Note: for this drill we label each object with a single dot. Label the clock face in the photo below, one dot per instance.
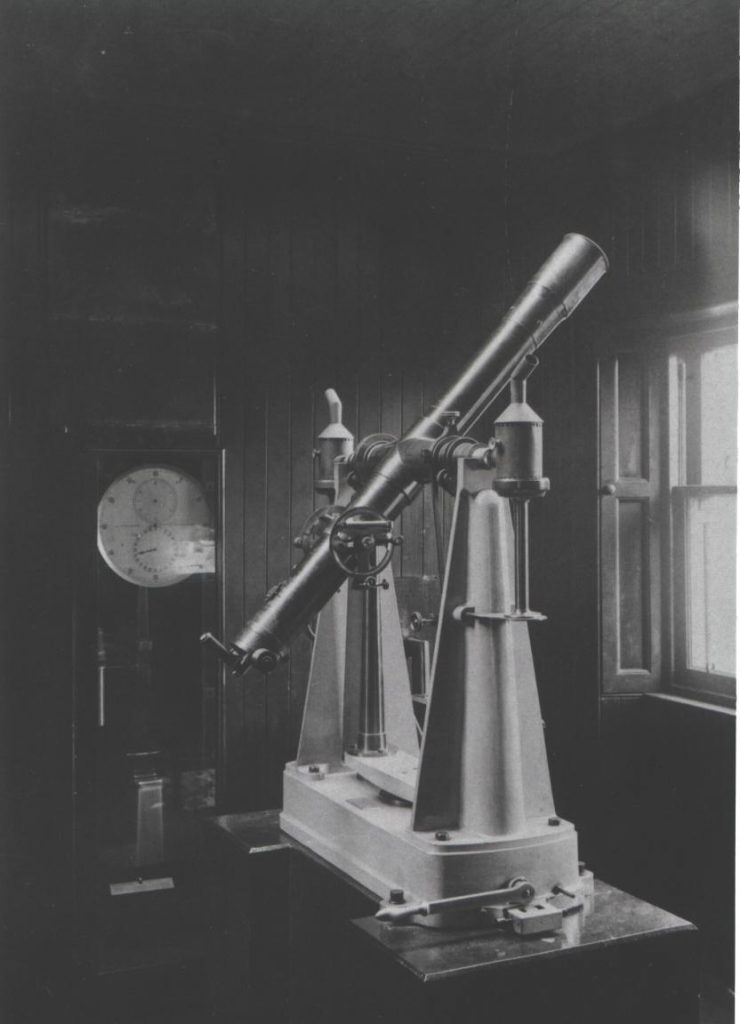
(155, 527)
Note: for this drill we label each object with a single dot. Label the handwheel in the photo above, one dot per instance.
(356, 532)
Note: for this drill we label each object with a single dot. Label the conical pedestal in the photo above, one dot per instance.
(484, 766)
(482, 813)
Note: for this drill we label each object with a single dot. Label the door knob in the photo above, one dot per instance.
(607, 490)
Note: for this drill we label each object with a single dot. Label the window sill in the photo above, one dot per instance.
(692, 702)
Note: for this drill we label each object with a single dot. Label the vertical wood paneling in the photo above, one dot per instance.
(28, 413)
(365, 279)
(311, 302)
(368, 403)
(346, 268)
(651, 213)
(279, 338)
(309, 296)
(683, 229)
(246, 765)
(664, 199)
(278, 542)
(246, 774)
(301, 503)
(366, 344)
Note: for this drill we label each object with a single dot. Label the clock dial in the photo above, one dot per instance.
(155, 527)
(155, 500)
(156, 550)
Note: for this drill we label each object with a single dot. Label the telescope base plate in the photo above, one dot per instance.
(343, 818)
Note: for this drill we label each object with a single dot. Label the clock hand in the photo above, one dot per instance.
(147, 551)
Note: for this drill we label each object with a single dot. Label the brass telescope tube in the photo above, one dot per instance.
(554, 292)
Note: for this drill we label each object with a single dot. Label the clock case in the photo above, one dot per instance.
(147, 700)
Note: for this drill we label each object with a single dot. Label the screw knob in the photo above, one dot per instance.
(264, 659)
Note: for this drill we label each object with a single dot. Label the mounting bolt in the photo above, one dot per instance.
(563, 892)
(264, 659)
(442, 837)
(397, 896)
(553, 821)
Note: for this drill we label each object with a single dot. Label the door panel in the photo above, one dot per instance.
(629, 543)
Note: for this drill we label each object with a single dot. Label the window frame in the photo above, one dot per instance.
(681, 480)
(686, 681)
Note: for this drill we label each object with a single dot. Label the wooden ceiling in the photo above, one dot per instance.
(536, 75)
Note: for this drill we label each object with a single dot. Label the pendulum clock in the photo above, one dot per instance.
(152, 703)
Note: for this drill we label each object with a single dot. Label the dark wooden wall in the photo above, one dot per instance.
(661, 198)
(158, 265)
(106, 343)
(178, 285)
(359, 272)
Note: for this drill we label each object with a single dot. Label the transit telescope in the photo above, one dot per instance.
(390, 474)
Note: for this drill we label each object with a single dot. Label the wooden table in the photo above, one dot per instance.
(295, 941)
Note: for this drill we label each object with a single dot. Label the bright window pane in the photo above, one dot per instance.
(710, 583)
(676, 421)
(719, 416)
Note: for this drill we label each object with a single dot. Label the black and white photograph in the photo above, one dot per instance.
(368, 498)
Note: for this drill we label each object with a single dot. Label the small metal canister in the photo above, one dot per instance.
(518, 432)
(333, 441)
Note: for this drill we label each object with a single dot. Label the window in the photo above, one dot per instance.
(702, 478)
(667, 418)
